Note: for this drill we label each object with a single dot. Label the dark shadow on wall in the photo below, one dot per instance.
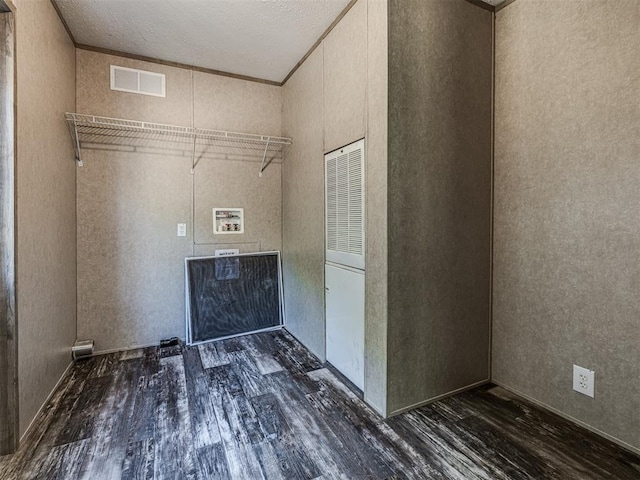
(440, 81)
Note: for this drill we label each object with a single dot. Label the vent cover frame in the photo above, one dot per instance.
(139, 74)
(282, 313)
(345, 238)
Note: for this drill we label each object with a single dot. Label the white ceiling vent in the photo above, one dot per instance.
(137, 81)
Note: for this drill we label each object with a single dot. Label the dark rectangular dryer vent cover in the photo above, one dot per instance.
(229, 296)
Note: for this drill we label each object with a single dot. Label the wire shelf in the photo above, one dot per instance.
(93, 130)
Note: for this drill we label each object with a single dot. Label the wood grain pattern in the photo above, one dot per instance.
(228, 412)
(8, 325)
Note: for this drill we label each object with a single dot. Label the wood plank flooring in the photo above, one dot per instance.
(261, 407)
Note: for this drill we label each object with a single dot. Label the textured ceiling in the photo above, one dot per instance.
(258, 38)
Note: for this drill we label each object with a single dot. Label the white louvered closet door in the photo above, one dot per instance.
(344, 194)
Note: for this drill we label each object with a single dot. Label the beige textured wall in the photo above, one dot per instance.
(303, 204)
(567, 227)
(439, 198)
(376, 206)
(326, 103)
(46, 190)
(345, 74)
(130, 203)
(226, 183)
(96, 98)
(223, 103)
(130, 261)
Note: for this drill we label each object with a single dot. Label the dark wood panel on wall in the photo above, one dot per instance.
(8, 330)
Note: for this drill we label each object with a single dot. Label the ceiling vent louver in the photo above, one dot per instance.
(137, 81)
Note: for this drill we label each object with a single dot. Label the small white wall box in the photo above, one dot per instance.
(228, 220)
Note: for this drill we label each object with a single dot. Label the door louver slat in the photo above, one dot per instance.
(344, 192)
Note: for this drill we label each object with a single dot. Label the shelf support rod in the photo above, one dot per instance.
(77, 142)
(193, 154)
(264, 156)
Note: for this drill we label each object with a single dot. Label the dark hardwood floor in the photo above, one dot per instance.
(262, 407)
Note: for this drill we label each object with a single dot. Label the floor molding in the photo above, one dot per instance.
(439, 397)
(560, 413)
(46, 401)
(320, 359)
(126, 349)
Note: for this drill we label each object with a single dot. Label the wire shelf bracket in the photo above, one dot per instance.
(73, 130)
(92, 129)
(264, 157)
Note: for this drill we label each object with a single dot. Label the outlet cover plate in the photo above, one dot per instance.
(584, 381)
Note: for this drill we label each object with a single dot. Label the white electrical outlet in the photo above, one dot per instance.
(584, 381)
(182, 229)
